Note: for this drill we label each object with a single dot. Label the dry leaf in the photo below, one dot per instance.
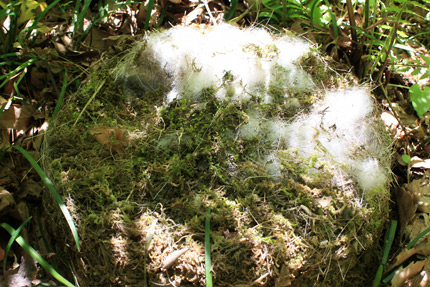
(22, 276)
(407, 206)
(6, 200)
(114, 138)
(171, 259)
(4, 139)
(190, 17)
(420, 188)
(38, 79)
(392, 125)
(424, 280)
(62, 50)
(417, 162)
(29, 188)
(17, 117)
(418, 225)
(407, 273)
(99, 39)
(402, 257)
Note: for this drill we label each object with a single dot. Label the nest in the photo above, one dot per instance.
(139, 172)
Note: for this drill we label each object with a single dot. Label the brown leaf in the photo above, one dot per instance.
(114, 138)
(403, 256)
(6, 200)
(17, 117)
(417, 162)
(420, 188)
(407, 273)
(30, 188)
(392, 125)
(61, 49)
(407, 206)
(4, 139)
(99, 39)
(37, 79)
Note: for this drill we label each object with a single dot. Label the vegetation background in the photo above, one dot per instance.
(48, 50)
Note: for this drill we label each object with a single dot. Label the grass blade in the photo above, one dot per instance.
(61, 97)
(333, 19)
(232, 10)
(409, 246)
(12, 239)
(378, 276)
(148, 14)
(208, 264)
(388, 241)
(54, 193)
(89, 101)
(313, 15)
(419, 236)
(33, 253)
(16, 71)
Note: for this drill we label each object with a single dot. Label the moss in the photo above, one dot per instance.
(144, 191)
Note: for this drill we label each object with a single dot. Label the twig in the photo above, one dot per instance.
(209, 12)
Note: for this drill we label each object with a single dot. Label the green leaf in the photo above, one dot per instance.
(420, 98)
(426, 59)
(378, 276)
(268, 15)
(426, 75)
(317, 14)
(416, 72)
(406, 158)
(148, 13)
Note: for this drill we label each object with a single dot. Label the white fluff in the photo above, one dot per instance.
(370, 174)
(339, 129)
(238, 64)
(199, 59)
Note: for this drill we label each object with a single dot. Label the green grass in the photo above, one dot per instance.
(208, 264)
(54, 193)
(33, 253)
(388, 242)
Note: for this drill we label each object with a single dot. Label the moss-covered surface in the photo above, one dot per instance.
(139, 176)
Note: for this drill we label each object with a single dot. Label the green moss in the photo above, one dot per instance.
(179, 158)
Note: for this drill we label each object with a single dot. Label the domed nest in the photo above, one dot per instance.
(288, 154)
